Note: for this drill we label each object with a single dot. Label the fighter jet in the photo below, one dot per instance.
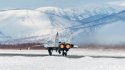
(60, 46)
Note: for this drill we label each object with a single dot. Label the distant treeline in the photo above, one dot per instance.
(26, 46)
(103, 46)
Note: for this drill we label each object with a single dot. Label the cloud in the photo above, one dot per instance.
(117, 3)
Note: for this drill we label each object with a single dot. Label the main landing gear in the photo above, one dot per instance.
(50, 50)
(62, 49)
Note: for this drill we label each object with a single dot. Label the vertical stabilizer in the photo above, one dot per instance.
(56, 39)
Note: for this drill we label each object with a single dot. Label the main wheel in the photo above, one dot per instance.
(64, 53)
(59, 51)
(50, 51)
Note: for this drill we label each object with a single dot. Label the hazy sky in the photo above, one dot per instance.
(8, 4)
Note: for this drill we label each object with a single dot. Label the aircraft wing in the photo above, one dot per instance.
(49, 45)
(75, 46)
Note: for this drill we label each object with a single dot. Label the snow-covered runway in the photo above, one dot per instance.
(73, 53)
(60, 63)
(57, 62)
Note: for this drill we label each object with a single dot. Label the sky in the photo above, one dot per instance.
(11, 4)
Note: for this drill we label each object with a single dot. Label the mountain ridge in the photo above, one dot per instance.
(22, 23)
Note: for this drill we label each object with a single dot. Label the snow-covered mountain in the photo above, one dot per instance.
(39, 25)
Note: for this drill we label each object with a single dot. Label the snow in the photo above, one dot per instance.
(16, 24)
(58, 62)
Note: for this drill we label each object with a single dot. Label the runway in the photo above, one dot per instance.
(38, 55)
(57, 55)
(72, 54)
